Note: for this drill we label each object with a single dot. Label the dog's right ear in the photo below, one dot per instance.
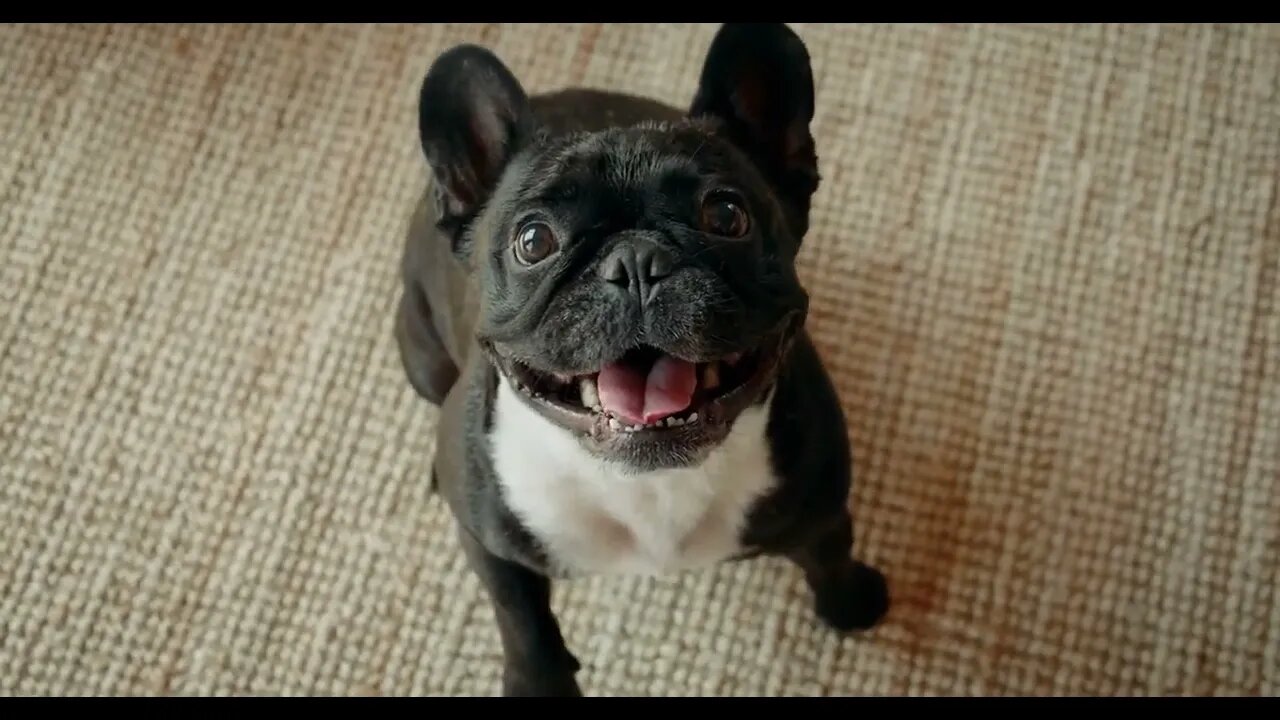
(473, 116)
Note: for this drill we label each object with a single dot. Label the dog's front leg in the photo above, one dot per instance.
(537, 662)
(848, 595)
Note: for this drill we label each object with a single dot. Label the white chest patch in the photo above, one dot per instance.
(597, 517)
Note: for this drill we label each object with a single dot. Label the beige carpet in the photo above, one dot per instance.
(1045, 271)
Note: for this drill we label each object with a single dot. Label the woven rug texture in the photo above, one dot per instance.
(1044, 270)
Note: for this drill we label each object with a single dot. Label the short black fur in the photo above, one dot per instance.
(619, 187)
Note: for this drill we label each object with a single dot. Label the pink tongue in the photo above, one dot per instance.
(630, 394)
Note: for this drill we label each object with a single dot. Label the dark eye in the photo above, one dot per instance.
(535, 242)
(724, 215)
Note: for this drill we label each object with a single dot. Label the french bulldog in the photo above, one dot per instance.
(600, 294)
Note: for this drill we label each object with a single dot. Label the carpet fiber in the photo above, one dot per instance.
(1044, 273)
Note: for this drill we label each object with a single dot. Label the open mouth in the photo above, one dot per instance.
(647, 391)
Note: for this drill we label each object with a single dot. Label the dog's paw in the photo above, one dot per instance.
(540, 684)
(857, 600)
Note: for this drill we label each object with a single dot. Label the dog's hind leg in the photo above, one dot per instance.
(430, 370)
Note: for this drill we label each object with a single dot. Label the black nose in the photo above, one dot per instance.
(636, 265)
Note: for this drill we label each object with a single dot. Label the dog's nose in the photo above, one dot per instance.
(636, 265)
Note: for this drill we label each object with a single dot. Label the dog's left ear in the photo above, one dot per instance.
(757, 80)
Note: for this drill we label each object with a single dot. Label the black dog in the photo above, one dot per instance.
(600, 293)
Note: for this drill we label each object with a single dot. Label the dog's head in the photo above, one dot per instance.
(637, 283)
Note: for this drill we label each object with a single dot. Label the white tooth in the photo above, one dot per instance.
(590, 395)
(675, 421)
(614, 424)
(711, 376)
(693, 418)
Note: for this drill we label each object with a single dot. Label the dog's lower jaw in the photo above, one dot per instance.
(681, 440)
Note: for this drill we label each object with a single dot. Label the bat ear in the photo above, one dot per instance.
(758, 83)
(473, 116)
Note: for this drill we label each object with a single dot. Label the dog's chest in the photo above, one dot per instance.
(595, 517)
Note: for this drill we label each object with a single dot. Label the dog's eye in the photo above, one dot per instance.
(724, 216)
(535, 242)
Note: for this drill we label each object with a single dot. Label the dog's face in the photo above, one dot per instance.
(638, 283)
